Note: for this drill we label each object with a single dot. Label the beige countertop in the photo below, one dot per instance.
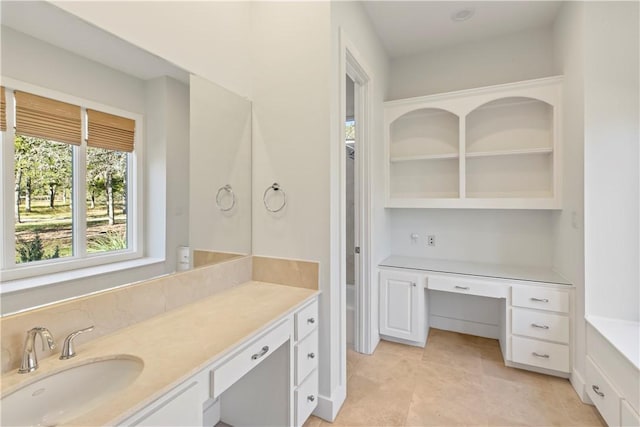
(176, 345)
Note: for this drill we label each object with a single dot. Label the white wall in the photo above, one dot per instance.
(208, 38)
(220, 154)
(290, 65)
(167, 158)
(520, 56)
(493, 236)
(32, 61)
(611, 112)
(568, 224)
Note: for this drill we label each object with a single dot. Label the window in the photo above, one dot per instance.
(74, 184)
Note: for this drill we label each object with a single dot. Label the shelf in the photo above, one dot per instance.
(423, 157)
(543, 150)
(415, 201)
(489, 148)
(509, 195)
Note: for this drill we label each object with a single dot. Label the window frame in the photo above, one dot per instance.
(80, 258)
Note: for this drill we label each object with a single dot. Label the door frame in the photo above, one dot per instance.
(352, 64)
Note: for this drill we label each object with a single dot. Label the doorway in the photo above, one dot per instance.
(356, 205)
(352, 219)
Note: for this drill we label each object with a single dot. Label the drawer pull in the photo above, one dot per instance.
(596, 389)
(413, 284)
(264, 351)
(535, 325)
(311, 398)
(464, 288)
(311, 320)
(539, 299)
(544, 356)
(311, 355)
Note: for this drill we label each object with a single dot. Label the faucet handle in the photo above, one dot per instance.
(67, 349)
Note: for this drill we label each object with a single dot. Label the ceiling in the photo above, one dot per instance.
(46, 22)
(411, 27)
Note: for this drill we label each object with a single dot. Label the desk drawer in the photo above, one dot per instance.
(602, 393)
(306, 320)
(306, 398)
(536, 324)
(306, 356)
(539, 353)
(233, 369)
(469, 287)
(540, 298)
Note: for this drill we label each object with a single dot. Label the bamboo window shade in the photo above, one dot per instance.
(110, 131)
(3, 110)
(47, 118)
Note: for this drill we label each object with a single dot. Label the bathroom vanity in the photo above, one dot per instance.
(534, 319)
(246, 354)
(253, 381)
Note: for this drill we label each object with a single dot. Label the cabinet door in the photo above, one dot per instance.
(184, 408)
(401, 305)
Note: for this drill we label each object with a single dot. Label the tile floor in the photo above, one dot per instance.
(455, 380)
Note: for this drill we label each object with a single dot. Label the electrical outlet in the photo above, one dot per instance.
(431, 240)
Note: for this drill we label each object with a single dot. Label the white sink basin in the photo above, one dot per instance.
(59, 397)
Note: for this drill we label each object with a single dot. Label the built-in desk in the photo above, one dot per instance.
(528, 309)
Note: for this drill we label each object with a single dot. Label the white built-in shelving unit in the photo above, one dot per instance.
(493, 147)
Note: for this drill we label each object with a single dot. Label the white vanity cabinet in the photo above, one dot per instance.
(271, 379)
(496, 147)
(306, 363)
(402, 306)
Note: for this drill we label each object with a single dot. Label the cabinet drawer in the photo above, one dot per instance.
(603, 394)
(628, 417)
(306, 320)
(306, 356)
(624, 376)
(470, 287)
(535, 324)
(306, 398)
(540, 298)
(542, 354)
(233, 369)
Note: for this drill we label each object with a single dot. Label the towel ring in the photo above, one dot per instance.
(274, 187)
(222, 191)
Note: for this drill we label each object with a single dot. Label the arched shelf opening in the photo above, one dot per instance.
(509, 148)
(510, 124)
(424, 154)
(424, 133)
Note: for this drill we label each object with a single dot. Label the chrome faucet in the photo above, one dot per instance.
(29, 359)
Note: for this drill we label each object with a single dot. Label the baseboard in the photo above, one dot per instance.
(465, 327)
(328, 407)
(537, 369)
(374, 344)
(578, 383)
(402, 341)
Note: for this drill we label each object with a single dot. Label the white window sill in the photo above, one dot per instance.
(81, 273)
